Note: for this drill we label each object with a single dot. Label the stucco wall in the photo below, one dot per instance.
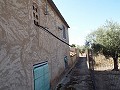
(22, 44)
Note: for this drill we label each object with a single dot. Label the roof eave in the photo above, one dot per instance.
(58, 12)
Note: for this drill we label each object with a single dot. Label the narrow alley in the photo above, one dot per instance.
(78, 78)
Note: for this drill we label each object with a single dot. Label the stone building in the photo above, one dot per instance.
(33, 41)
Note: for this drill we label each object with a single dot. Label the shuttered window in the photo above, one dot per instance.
(41, 76)
(64, 32)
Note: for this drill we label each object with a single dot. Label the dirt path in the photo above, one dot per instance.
(79, 77)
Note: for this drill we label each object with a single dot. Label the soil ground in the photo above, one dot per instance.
(78, 78)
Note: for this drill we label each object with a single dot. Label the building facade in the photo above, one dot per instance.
(33, 34)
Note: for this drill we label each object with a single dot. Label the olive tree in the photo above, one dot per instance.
(106, 40)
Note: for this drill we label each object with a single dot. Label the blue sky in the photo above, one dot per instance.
(84, 16)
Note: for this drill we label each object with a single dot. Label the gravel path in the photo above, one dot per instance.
(79, 77)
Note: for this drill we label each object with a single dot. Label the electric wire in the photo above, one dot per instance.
(51, 34)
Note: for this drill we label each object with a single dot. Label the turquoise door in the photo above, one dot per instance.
(66, 61)
(41, 76)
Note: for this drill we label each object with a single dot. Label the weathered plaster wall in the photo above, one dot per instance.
(54, 49)
(14, 38)
(22, 44)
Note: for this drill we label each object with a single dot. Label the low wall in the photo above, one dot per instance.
(107, 80)
(73, 59)
(71, 62)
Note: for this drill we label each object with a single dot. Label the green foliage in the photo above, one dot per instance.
(97, 48)
(106, 39)
(81, 48)
(73, 45)
(87, 45)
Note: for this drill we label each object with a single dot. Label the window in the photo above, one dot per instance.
(36, 9)
(37, 17)
(64, 32)
(35, 13)
(33, 7)
(35, 22)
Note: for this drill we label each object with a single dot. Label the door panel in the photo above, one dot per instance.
(41, 76)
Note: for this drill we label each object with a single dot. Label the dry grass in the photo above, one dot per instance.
(101, 63)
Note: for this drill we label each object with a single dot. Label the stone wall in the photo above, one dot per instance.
(74, 55)
(22, 44)
(107, 80)
(73, 59)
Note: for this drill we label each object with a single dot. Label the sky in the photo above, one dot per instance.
(85, 16)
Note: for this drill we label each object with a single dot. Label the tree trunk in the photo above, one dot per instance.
(115, 64)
